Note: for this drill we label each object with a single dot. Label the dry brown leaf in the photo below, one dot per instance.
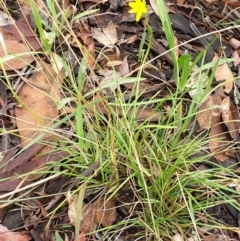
(204, 116)
(207, 115)
(234, 43)
(219, 142)
(130, 40)
(15, 48)
(237, 230)
(88, 41)
(82, 236)
(17, 31)
(72, 207)
(105, 212)
(223, 73)
(216, 237)
(106, 36)
(111, 53)
(87, 223)
(22, 29)
(230, 117)
(225, 105)
(176, 50)
(39, 109)
(27, 35)
(220, 92)
(101, 212)
(7, 235)
(235, 55)
(177, 237)
(84, 33)
(124, 67)
(210, 1)
(26, 15)
(21, 32)
(181, 1)
(145, 113)
(65, 4)
(5, 19)
(143, 85)
(33, 43)
(113, 63)
(28, 166)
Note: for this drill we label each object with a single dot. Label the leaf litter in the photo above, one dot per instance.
(108, 40)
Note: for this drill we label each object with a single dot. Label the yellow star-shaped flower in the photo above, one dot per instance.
(138, 7)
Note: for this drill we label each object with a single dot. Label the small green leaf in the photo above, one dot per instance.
(58, 237)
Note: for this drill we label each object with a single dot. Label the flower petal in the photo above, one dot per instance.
(132, 4)
(132, 11)
(138, 16)
(138, 7)
(144, 10)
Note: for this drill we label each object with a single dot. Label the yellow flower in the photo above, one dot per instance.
(138, 7)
